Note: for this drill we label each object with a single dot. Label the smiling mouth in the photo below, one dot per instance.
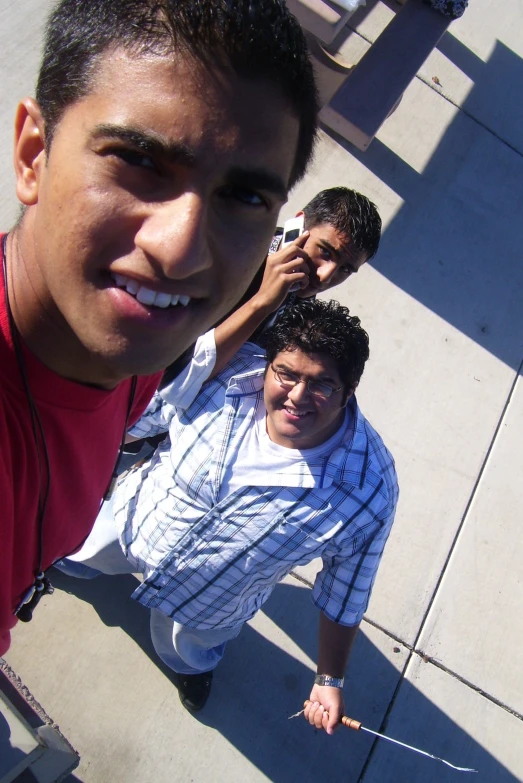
(148, 297)
(296, 413)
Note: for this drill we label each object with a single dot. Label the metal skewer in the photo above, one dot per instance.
(351, 723)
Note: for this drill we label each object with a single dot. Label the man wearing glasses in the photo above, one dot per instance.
(271, 466)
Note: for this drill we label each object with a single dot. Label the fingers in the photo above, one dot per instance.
(290, 268)
(287, 255)
(291, 251)
(332, 723)
(325, 716)
(302, 239)
(317, 715)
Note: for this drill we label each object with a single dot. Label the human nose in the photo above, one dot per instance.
(175, 235)
(326, 272)
(299, 391)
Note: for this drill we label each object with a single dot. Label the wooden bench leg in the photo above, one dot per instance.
(377, 82)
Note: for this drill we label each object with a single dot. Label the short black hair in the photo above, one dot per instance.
(352, 214)
(325, 328)
(258, 40)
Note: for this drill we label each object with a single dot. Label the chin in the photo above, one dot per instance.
(117, 368)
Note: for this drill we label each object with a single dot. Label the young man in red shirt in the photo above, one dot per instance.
(151, 183)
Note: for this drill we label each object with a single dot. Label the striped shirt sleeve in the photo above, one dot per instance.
(343, 586)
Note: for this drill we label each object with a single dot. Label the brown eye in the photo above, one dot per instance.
(134, 158)
(244, 195)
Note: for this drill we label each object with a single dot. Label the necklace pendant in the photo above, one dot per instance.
(42, 586)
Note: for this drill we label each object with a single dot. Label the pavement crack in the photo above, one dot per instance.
(439, 665)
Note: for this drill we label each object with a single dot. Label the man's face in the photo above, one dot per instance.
(154, 208)
(333, 259)
(297, 418)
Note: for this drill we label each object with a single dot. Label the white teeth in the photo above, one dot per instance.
(132, 287)
(162, 300)
(148, 297)
(145, 295)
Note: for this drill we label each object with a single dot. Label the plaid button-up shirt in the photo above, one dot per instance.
(212, 563)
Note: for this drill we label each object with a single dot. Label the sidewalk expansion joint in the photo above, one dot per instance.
(302, 579)
(468, 506)
(439, 665)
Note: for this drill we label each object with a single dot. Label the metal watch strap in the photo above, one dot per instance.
(326, 679)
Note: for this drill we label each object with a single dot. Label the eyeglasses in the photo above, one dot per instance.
(289, 380)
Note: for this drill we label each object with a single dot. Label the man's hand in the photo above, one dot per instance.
(326, 708)
(283, 269)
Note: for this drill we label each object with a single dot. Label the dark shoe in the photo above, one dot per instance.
(194, 690)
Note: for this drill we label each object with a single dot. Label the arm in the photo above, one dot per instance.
(334, 645)
(155, 420)
(283, 269)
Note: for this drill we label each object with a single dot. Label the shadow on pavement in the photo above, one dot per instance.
(454, 245)
(258, 686)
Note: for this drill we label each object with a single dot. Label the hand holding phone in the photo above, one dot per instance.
(292, 229)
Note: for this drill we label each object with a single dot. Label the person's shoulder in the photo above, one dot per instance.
(379, 458)
(365, 447)
(248, 359)
(146, 386)
(375, 441)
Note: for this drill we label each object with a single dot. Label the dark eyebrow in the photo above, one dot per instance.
(178, 152)
(260, 179)
(337, 253)
(322, 379)
(149, 143)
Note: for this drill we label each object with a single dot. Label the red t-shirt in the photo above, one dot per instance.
(83, 429)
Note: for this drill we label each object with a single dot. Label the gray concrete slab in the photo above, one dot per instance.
(437, 713)
(116, 704)
(443, 309)
(22, 22)
(476, 619)
(476, 64)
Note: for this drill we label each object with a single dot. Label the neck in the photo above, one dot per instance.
(40, 325)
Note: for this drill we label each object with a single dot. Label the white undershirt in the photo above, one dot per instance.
(260, 462)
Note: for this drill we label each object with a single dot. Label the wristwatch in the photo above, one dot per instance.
(326, 679)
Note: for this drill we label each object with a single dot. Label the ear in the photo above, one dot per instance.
(349, 394)
(29, 152)
(300, 213)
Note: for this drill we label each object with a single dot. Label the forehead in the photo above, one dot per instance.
(175, 97)
(310, 365)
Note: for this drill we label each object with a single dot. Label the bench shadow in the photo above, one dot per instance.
(454, 245)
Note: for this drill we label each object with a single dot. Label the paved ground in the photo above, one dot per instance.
(438, 662)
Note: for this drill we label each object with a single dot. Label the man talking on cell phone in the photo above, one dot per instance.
(341, 232)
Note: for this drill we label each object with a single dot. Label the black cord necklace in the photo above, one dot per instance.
(41, 585)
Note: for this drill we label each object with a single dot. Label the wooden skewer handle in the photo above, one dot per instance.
(350, 723)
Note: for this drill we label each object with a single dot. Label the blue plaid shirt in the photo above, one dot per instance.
(212, 563)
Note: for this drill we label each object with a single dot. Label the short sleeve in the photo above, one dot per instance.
(183, 390)
(344, 585)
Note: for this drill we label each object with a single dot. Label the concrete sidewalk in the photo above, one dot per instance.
(438, 661)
